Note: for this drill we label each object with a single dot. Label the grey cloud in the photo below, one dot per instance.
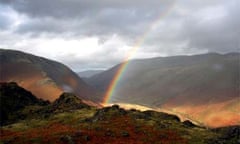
(105, 17)
(5, 22)
(191, 35)
(77, 8)
(221, 35)
(46, 25)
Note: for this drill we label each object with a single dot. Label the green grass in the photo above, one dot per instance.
(26, 124)
(66, 118)
(73, 117)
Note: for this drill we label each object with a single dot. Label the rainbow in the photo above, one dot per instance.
(139, 41)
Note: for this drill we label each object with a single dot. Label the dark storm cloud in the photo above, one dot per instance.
(78, 8)
(87, 17)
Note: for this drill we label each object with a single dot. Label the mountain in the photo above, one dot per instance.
(69, 120)
(45, 78)
(89, 73)
(203, 87)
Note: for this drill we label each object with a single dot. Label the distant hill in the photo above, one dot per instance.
(45, 78)
(201, 87)
(89, 73)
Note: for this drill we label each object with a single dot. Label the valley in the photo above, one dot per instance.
(183, 99)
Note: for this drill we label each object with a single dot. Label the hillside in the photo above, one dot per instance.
(45, 78)
(69, 120)
(201, 87)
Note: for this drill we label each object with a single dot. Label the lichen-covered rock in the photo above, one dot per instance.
(67, 102)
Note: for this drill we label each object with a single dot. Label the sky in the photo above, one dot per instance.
(98, 34)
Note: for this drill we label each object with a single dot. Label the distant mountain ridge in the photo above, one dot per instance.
(45, 78)
(89, 73)
(202, 87)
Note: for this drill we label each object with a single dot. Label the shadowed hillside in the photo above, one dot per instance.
(202, 87)
(45, 78)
